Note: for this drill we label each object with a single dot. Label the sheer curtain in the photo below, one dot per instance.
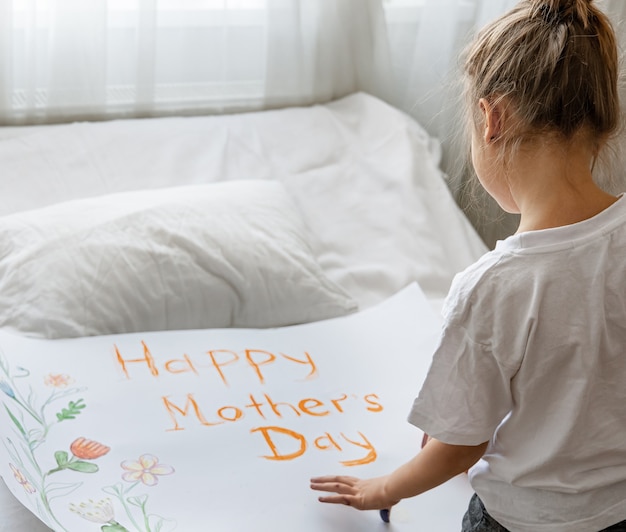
(69, 59)
(63, 60)
(426, 39)
(324, 49)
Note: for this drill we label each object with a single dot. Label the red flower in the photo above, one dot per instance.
(88, 449)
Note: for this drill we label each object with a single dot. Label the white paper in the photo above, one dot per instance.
(220, 429)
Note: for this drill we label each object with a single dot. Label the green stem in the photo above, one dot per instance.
(28, 409)
(146, 521)
(30, 446)
(44, 498)
(122, 498)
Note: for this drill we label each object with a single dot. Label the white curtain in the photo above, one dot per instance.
(68, 59)
(63, 60)
(426, 39)
(319, 50)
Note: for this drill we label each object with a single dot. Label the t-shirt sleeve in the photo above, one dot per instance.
(467, 391)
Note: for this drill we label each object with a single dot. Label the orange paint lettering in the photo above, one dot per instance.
(269, 358)
(147, 359)
(375, 405)
(370, 457)
(218, 366)
(191, 402)
(274, 406)
(181, 366)
(237, 413)
(295, 437)
(337, 401)
(331, 443)
(256, 405)
(309, 362)
(306, 405)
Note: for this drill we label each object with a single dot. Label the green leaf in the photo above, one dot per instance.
(139, 500)
(14, 419)
(113, 528)
(72, 410)
(83, 467)
(61, 457)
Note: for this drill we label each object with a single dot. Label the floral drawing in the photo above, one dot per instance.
(88, 449)
(82, 449)
(98, 512)
(95, 511)
(145, 470)
(32, 420)
(141, 472)
(19, 476)
(58, 380)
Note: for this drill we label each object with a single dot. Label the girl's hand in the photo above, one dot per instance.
(369, 494)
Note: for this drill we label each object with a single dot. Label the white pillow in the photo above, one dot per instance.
(232, 254)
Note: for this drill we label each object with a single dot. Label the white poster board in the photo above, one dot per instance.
(220, 429)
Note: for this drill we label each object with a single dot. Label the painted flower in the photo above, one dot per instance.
(95, 511)
(58, 380)
(19, 476)
(146, 470)
(6, 388)
(88, 449)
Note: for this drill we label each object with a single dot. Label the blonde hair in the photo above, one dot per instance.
(554, 65)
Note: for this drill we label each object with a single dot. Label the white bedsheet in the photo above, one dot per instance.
(365, 176)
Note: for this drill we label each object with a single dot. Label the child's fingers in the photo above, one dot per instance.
(335, 484)
(337, 499)
(335, 478)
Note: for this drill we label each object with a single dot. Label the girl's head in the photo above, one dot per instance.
(552, 67)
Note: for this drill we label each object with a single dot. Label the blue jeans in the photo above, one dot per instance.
(476, 519)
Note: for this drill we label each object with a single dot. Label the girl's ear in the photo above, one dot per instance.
(492, 119)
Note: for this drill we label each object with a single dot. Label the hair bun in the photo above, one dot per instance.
(563, 11)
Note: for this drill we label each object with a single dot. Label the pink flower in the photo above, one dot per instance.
(58, 380)
(145, 470)
(19, 476)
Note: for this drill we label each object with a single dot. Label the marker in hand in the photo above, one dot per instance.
(385, 515)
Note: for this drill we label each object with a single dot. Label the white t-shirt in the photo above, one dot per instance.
(533, 358)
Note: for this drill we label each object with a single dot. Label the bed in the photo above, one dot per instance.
(316, 212)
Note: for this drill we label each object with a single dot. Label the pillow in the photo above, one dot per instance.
(231, 254)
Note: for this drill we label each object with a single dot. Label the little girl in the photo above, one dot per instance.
(528, 383)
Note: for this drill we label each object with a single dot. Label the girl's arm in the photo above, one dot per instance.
(435, 464)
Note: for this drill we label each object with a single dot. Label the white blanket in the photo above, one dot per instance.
(365, 176)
